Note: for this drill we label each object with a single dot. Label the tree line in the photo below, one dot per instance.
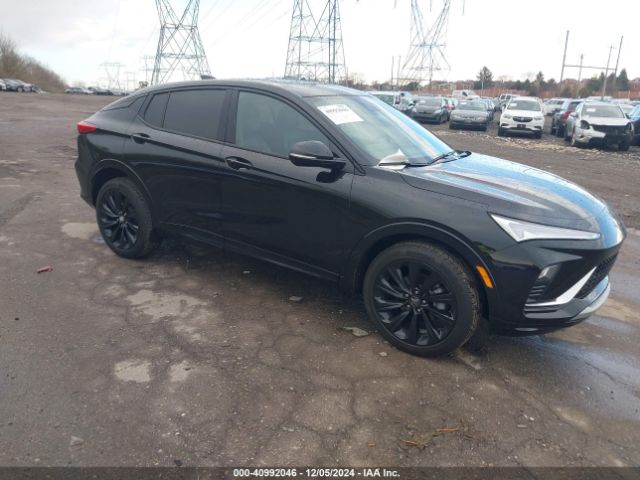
(15, 65)
(587, 87)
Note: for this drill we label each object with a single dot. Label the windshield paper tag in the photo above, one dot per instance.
(340, 113)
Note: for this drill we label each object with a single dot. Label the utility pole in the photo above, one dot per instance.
(564, 56)
(180, 47)
(615, 73)
(606, 73)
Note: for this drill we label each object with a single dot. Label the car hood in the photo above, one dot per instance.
(510, 189)
(616, 122)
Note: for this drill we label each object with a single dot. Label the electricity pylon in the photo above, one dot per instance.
(180, 49)
(427, 49)
(315, 46)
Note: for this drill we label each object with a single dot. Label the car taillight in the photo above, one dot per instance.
(85, 127)
(565, 115)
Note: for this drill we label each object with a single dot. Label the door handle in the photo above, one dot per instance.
(140, 137)
(238, 163)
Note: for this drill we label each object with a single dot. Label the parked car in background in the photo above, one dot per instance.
(471, 114)
(599, 123)
(3, 86)
(552, 105)
(504, 99)
(465, 94)
(99, 91)
(76, 91)
(386, 97)
(626, 108)
(522, 115)
(444, 241)
(403, 102)
(491, 107)
(634, 116)
(429, 109)
(14, 85)
(559, 119)
(449, 104)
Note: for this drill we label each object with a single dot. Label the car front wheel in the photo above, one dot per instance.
(422, 299)
(124, 219)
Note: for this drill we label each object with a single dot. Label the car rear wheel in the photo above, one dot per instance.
(624, 146)
(422, 299)
(124, 219)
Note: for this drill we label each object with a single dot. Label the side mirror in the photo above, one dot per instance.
(312, 153)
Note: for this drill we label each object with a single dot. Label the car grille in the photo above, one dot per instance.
(522, 119)
(600, 272)
(611, 129)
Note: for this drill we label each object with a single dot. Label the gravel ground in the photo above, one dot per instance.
(200, 357)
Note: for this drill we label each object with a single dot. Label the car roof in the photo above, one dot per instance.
(283, 86)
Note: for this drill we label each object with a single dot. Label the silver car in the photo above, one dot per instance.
(599, 123)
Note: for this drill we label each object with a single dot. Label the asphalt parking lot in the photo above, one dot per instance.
(197, 357)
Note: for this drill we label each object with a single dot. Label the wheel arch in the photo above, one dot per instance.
(382, 238)
(109, 169)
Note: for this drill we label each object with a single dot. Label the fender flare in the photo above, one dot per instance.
(367, 248)
(122, 167)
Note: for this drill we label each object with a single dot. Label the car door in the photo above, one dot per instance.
(282, 212)
(175, 146)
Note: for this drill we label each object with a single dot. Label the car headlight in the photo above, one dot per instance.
(522, 231)
(507, 116)
(539, 119)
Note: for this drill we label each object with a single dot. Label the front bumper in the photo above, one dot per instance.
(470, 122)
(512, 125)
(589, 136)
(428, 117)
(526, 302)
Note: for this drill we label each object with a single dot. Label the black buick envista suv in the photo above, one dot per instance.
(335, 183)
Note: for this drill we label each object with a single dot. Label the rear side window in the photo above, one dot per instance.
(155, 109)
(195, 112)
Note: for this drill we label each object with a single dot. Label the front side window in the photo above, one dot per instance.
(379, 130)
(268, 125)
(195, 112)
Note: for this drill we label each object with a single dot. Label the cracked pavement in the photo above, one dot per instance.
(201, 356)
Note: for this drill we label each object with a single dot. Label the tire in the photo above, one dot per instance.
(451, 127)
(427, 294)
(559, 131)
(565, 136)
(124, 219)
(500, 132)
(624, 146)
(537, 135)
(20, 90)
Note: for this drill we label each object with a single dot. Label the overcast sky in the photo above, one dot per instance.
(248, 38)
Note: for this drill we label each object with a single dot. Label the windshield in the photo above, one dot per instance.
(379, 130)
(472, 106)
(608, 111)
(527, 105)
(430, 101)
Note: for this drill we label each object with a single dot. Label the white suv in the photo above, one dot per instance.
(522, 114)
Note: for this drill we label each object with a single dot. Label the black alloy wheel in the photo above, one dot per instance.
(124, 218)
(422, 299)
(414, 304)
(118, 220)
